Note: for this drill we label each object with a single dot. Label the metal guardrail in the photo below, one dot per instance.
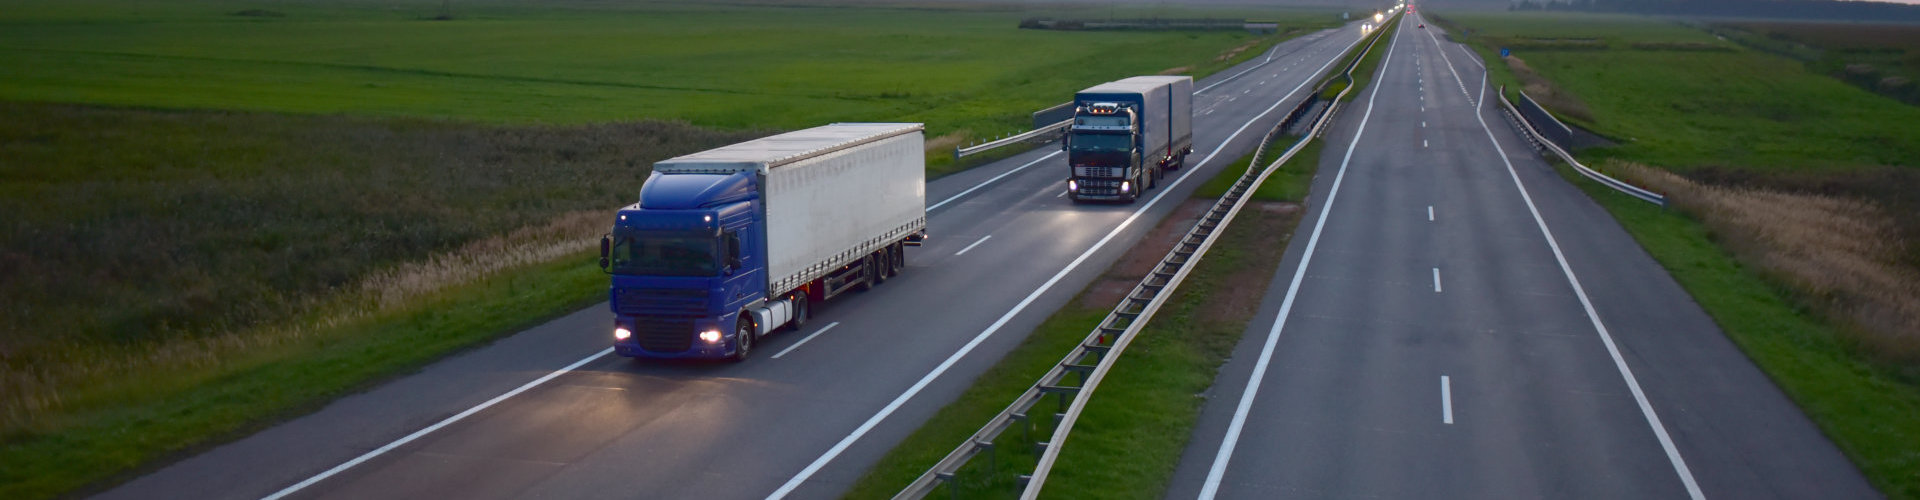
(1020, 137)
(1537, 138)
(1107, 341)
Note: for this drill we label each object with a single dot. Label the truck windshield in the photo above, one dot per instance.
(658, 253)
(1102, 142)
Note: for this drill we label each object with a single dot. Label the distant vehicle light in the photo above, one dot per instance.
(711, 336)
(622, 333)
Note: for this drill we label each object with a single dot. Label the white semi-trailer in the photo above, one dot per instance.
(731, 243)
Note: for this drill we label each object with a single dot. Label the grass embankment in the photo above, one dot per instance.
(172, 276)
(1882, 58)
(1130, 437)
(1795, 222)
(964, 70)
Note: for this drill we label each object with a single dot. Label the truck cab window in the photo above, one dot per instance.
(657, 253)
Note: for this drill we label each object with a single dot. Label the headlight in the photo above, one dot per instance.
(711, 336)
(1073, 186)
(622, 333)
(1126, 186)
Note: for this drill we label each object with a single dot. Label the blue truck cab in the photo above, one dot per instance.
(686, 261)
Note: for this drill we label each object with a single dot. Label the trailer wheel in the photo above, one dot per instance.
(882, 265)
(867, 274)
(899, 259)
(742, 340)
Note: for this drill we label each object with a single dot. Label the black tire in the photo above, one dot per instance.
(899, 259)
(867, 268)
(802, 310)
(882, 265)
(743, 339)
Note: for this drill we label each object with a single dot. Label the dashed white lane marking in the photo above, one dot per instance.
(963, 251)
(1036, 161)
(1429, 213)
(803, 341)
(1446, 400)
(1423, 143)
(1436, 280)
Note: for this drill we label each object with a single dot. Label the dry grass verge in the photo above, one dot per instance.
(1845, 255)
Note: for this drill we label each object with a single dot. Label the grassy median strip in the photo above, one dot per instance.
(1130, 437)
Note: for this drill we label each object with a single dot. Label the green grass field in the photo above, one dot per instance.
(1679, 98)
(768, 66)
(1708, 103)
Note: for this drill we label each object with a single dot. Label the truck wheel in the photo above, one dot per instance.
(802, 310)
(899, 259)
(882, 265)
(742, 340)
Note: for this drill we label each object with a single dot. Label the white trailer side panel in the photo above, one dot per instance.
(829, 210)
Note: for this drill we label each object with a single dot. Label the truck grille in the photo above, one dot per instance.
(1099, 187)
(660, 301)
(1097, 172)
(664, 333)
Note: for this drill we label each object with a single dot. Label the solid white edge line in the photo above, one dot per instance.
(429, 429)
(963, 251)
(1446, 400)
(1640, 397)
(821, 462)
(804, 340)
(1436, 280)
(1225, 453)
(950, 199)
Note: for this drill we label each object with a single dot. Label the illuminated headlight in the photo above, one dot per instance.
(622, 333)
(1126, 186)
(711, 336)
(1073, 186)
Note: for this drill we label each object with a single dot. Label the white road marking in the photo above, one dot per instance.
(429, 429)
(1429, 213)
(1232, 439)
(950, 199)
(1436, 280)
(963, 251)
(1423, 143)
(865, 427)
(1062, 194)
(1423, 124)
(1640, 397)
(1446, 400)
(803, 341)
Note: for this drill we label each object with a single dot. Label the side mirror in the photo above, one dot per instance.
(606, 247)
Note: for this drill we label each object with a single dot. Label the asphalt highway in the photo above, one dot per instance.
(1456, 320)
(546, 413)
